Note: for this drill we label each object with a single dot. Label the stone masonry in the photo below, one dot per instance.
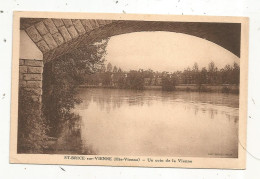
(30, 77)
(55, 36)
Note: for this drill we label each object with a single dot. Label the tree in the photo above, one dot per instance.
(103, 68)
(226, 74)
(135, 80)
(211, 72)
(195, 73)
(109, 67)
(106, 79)
(203, 76)
(168, 83)
(236, 73)
(88, 58)
(195, 67)
(115, 69)
(61, 79)
(211, 66)
(187, 76)
(119, 70)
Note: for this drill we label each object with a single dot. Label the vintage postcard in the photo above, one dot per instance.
(129, 90)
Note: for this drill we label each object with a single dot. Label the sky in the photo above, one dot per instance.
(165, 51)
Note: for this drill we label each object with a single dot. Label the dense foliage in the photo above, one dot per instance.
(61, 79)
(134, 80)
(32, 131)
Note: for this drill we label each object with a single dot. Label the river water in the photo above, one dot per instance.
(157, 123)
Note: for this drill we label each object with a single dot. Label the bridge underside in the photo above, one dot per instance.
(55, 37)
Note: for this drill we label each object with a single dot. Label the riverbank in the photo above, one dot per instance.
(224, 88)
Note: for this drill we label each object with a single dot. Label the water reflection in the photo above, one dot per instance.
(125, 122)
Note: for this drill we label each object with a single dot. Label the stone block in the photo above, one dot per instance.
(35, 63)
(62, 49)
(108, 21)
(50, 56)
(80, 39)
(59, 51)
(50, 41)
(41, 28)
(43, 46)
(36, 98)
(72, 44)
(33, 34)
(87, 25)
(64, 32)
(23, 69)
(67, 22)
(94, 23)
(32, 77)
(21, 62)
(58, 22)
(50, 26)
(80, 28)
(46, 56)
(34, 84)
(72, 31)
(21, 76)
(22, 83)
(35, 70)
(58, 38)
(101, 22)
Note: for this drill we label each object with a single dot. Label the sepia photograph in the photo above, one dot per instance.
(111, 88)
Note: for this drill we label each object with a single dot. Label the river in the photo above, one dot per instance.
(157, 123)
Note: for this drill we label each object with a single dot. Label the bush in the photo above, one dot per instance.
(32, 130)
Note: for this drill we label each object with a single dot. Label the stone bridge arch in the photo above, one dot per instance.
(43, 40)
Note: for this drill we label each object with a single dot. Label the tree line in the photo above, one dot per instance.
(136, 79)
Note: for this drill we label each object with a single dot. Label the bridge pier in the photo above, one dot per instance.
(30, 72)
